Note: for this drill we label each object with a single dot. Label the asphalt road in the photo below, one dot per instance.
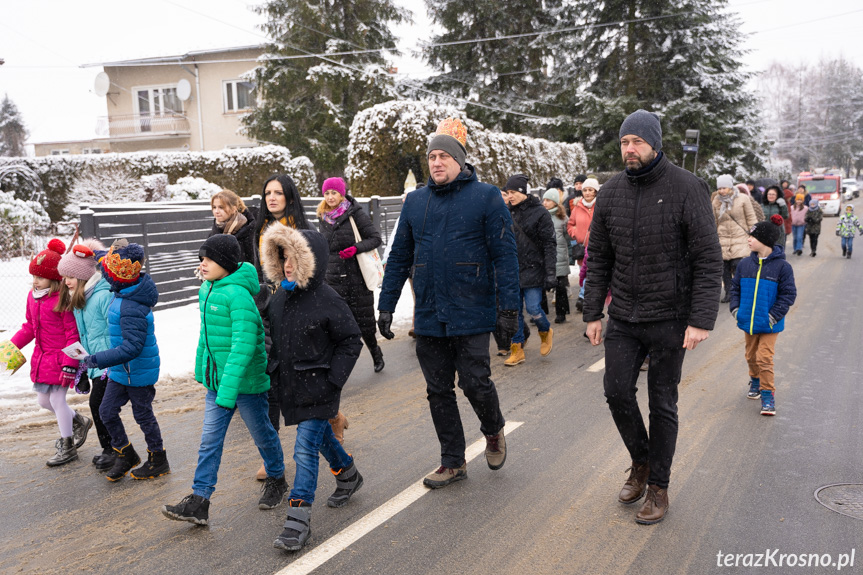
(741, 483)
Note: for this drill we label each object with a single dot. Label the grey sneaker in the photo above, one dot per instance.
(274, 492)
(495, 450)
(193, 508)
(443, 476)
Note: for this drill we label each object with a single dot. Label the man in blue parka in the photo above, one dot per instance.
(455, 240)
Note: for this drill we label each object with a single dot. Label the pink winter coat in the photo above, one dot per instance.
(798, 217)
(52, 331)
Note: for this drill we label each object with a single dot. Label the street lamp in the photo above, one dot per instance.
(690, 146)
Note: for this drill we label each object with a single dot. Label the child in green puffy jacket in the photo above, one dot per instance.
(232, 364)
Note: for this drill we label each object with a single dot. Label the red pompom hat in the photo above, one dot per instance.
(44, 264)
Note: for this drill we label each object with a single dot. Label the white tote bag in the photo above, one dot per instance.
(370, 262)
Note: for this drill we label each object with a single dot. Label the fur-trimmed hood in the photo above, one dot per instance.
(308, 248)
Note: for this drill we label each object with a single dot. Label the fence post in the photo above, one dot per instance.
(88, 222)
(375, 211)
(146, 247)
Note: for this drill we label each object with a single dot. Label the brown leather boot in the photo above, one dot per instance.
(339, 424)
(655, 506)
(634, 487)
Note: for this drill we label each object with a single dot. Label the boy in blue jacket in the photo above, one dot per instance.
(762, 292)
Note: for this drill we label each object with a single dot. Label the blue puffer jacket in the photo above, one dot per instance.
(134, 357)
(93, 319)
(761, 290)
(460, 234)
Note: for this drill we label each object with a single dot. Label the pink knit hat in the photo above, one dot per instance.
(80, 262)
(336, 184)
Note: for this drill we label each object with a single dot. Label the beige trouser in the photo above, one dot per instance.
(760, 348)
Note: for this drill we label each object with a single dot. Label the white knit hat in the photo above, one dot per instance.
(590, 183)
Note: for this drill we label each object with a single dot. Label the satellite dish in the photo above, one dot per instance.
(102, 84)
(184, 89)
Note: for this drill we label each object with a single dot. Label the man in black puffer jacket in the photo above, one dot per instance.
(537, 246)
(653, 242)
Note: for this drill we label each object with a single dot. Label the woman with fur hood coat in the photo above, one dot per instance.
(316, 343)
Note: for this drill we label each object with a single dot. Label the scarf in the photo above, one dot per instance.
(552, 211)
(331, 216)
(288, 286)
(725, 202)
(40, 293)
(233, 224)
(587, 204)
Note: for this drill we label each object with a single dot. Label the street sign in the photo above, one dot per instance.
(691, 148)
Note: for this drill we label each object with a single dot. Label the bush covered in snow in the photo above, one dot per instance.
(389, 139)
(106, 185)
(242, 170)
(191, 188)
(20, 221)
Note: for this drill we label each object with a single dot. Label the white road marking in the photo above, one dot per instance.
(344, 538)
(598, 366)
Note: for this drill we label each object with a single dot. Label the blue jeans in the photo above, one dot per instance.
(116, 396)
(798, 232)
(532, 298)
(847, 243)
(253, 409)
(313, 436)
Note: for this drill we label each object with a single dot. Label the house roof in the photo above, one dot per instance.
(187, 57)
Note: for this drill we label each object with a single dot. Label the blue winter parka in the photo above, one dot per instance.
(761, 290)
(92, 320)
(455, 240)
(134, 356)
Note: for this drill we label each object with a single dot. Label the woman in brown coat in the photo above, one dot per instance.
(734, 217)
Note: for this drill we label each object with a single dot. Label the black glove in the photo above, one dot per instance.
(83, 385)
(385, 323)
(550, 283)
(507, 323)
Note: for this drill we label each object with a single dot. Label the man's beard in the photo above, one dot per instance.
(633, 164)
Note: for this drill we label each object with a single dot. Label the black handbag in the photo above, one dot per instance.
(578, 252)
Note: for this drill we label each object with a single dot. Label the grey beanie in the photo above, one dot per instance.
(724, 181)
(450, 145)
(645, 125)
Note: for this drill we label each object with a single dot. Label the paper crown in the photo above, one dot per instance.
(455, 128)
(11, 358)
(120, 269)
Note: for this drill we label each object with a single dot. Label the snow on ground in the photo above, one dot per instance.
(177, 333)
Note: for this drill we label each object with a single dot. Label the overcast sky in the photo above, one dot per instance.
(46, 41)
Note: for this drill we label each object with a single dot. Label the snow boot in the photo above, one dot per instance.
(105, 460)
(495, 450)
(844, 252)
(81, 424)
(298, 526)
(155, 466)
(348, 482)
(66, 452)
(193, 508)
(125, 459)
(378, 359)
(274, 490)
(768, 404)
(560, 319)
(546, 339)
(516, 355)
(849, 253)
(754, 388)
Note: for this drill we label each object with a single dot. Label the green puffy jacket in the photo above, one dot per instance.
(231, 358)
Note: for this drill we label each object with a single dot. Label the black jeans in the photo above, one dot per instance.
(97, 392)
(813, 242)
(626, 346)
(440, 359)
(118, 395)
(728, 269)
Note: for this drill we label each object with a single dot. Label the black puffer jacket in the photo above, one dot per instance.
(536, 243)
(344, 275)
(316, 341)
(244, 236)
(653, 241)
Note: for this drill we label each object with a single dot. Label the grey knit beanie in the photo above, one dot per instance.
(645, 125)
(724, 181)
(449, 145)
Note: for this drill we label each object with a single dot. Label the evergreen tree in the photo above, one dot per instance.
(13, 133)
(679, 58)
(307, 104)
(500, 76)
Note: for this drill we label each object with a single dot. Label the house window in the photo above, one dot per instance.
(156, 102)
(91, 150)
(239, 95)
(59, 152)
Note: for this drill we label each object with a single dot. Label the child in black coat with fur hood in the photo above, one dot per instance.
(316, 342)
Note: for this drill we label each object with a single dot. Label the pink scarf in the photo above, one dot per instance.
(331, 216)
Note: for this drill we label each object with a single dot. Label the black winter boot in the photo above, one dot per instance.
(81, 424)
(125, 460)
(193, 508)
(348, 482)
(66, 452)
(274, 490)
(155, 466)
(105, 460)
(378, 358)
(298, 526)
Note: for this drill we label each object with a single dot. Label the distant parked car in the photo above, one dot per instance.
(850, 188)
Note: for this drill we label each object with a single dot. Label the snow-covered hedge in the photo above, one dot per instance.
(20, 222)
(190, 188)
(242, 170)
(389, 139)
